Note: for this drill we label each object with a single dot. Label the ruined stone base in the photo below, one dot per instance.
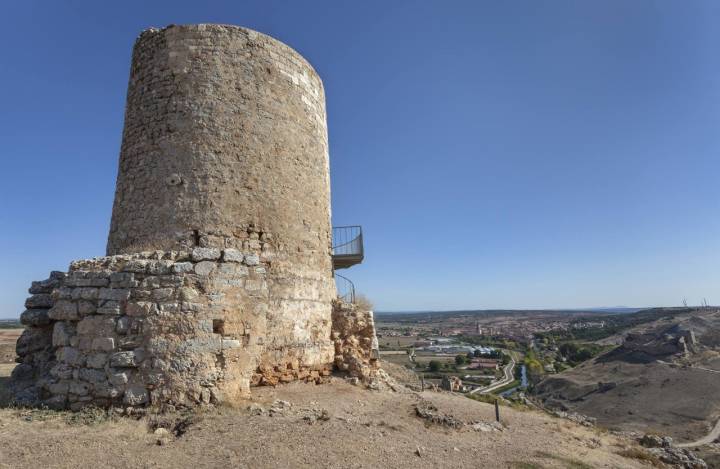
(167, 329)
(356, 345)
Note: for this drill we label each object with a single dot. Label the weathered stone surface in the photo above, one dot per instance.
(252, 259)
(205, 268)
(104, 344)
(69, 356)
(62, 332)
(136, 395)
(97, 360)
(115, 294)
(205, 254)
(96, 326)
(110, 307)
(123, 360)
(118, 378)
(123, 325)
(35, 317)
(140, 308)
(86, 307)
(39, 301)
(182, 267)
(123, 280)
(232, 255)
(47, 286)
(64, 310)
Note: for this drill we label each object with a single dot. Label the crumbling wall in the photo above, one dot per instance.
(356, 345)
(165, 329)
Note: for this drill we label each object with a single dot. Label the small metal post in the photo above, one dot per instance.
(497, 411)
(422, 382)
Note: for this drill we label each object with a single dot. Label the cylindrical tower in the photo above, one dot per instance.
(225, 146)
(225, 129)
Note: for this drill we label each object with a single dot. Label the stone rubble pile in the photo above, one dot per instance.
(662, 448)
(356, 345)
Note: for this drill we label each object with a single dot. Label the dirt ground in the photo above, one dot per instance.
(8, 337)
(330, 425)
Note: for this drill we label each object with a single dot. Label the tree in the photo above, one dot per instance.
(434, 366)
(459, 359)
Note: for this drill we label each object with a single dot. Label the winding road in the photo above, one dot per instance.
(507, 379)
(706, 440)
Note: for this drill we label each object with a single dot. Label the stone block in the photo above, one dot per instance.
(39, 301)
(97, 360)
(106, 390)
(35, 317)
(97, 326)
(163, 294)
(62, 332)
(123, 280)
(103, 344)
(115, 294)
(123, 325)
(117, 378)
(182, 267)
(61, 387)
(47, 286)
(92, 376)
(205, 254)
(64, 310)
(70, 356)
(78, 388)
(252, 259)
(86, 307)
(232, 255)
(110, 307)
(87, 279)
(136, 395)
(135, 265)
(140, 308)
(187, 294)
(205, 268)
(123, 360)
(85, 293)
(160, 267)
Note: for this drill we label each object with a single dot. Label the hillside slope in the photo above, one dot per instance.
(659, 380)
(333, 425)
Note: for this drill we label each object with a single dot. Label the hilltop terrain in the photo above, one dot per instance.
(663, 378)
(306, 425)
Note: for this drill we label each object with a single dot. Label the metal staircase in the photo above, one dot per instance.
(347, 251)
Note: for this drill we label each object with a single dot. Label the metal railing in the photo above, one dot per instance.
(347, 241)
(345, 289)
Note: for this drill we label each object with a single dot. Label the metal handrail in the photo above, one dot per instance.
(345, 289)
(347, 241)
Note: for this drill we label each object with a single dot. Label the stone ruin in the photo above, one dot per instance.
(219, 270)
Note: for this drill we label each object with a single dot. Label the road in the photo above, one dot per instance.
(507, 379)
(706, 440)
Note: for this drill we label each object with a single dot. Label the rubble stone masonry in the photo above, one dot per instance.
(161, 329)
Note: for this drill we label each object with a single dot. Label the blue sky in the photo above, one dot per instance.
(515, 154)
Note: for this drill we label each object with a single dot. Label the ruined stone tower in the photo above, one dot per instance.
(218, 274)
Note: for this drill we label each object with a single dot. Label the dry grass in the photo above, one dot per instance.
(641, 455)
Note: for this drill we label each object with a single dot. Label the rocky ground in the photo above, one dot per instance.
(307, 425)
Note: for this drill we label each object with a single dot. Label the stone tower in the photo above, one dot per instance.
(218, 274)
(225, 146)
(225, 136)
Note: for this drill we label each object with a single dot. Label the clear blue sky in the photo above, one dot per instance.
(514, 154)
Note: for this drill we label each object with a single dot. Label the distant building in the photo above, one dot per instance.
(451, 383)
